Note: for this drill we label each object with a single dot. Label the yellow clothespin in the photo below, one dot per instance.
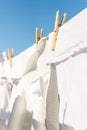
(9, 57)
(56, 29)
(12, 55)
(38, 37)
(63, 19)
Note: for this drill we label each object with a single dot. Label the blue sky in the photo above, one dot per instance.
(19, 18)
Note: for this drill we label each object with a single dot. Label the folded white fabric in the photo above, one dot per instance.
(32, 63)
(59, 57)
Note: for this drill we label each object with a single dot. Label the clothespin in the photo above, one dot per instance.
(63, 19)
(9, 57)
(38, 37)
(12, 55)
(41, 33)
(56, 29)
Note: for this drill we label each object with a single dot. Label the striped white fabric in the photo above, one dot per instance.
(52, 101)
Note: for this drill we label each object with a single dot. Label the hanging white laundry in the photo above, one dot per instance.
(30, 91)
(30, 83)
(31, 65)
(24, 87)
(72, 84)
(44, 75)
(71, 76)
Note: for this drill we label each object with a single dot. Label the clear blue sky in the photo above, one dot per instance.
(19, 18)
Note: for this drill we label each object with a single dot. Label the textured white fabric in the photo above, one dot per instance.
(52, 101)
